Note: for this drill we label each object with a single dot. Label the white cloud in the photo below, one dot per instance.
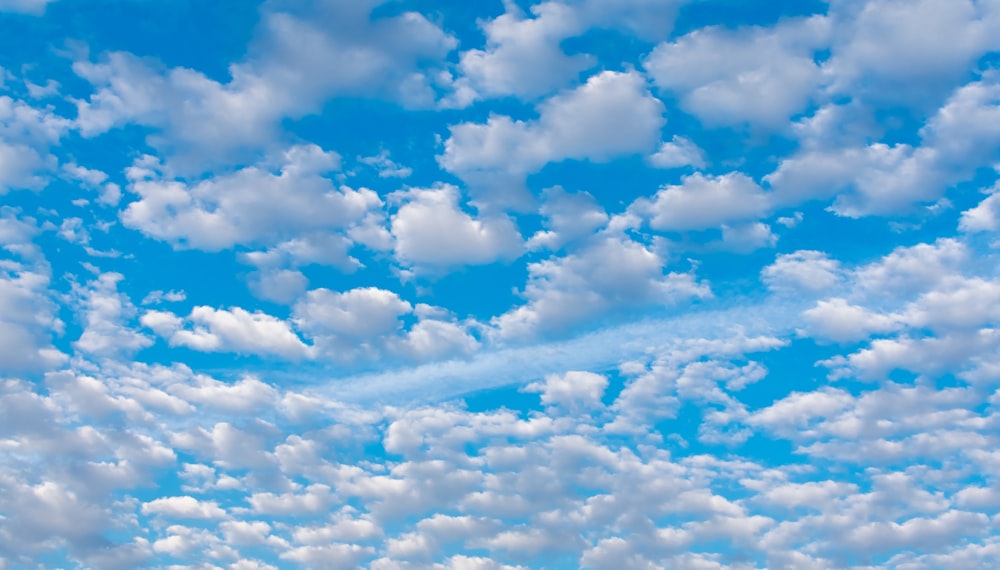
(573, 390)
(609, 274)
(26, 135)
(612, 114)
(702, 202)
(915, 268)
(247, 395)
(882, 49)
(524, 56)
(183, 507)
(883, 179)
(747, 237)
(755, 75)
(568, 217)
(106, 313)
(433, 338)
(278, 285)
(678, 153)
(432, 231)
(985, 216)
(287, 75)
(28, 315)
(836, 320)
(878, 179)
(359, 314)
(367, 322)
(254, 205)
(229, 330)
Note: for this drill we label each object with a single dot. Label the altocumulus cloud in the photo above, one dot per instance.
(551, 284)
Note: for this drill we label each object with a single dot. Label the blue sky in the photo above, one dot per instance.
(687, 284)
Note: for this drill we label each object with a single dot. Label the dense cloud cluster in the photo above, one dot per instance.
(568, 284)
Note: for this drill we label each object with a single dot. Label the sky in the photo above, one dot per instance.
(404, 284)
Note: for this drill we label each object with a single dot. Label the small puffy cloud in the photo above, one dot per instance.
(568, 217)
(278, 285)
(837, 320)
(755, 75)
(106, 313)
(608, 274)
(703, 202)
(881, 49)
(434, 336)
(883, 179)
(677, 153)
(612, 114)
(368, 322)
(28, 314)
(523, 56)
(285, 75)
(254, 205)
(247, 395)
(984, 217)
(877, 179)
(229, 330)
(430, 230)
(747, 237)
(956, 303)
(183, 507)
(26, 135)
(807, 270)
(307, 248)
(359, 314)
(914, 268)
(572, 390)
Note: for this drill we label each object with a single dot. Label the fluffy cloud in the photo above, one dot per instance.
(702, 202)
(985, 216)
(106, 313)
(612, 114)
(26, 136)
(839, 412)
(573, 390)
(611, 273)
(839, 321)
(359, 314)
(28, 315)
(524, 56)
(430, 230)
(882, 51)
(228, 330)
(677, 153)
(499, 482)
(287, 75)
(755, 75)
(254, 205)
(368, 322)
(568, 217)
(807, 270)
(883, 179)
(183, 507)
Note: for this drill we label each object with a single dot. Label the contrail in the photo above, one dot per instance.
(599, 350)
